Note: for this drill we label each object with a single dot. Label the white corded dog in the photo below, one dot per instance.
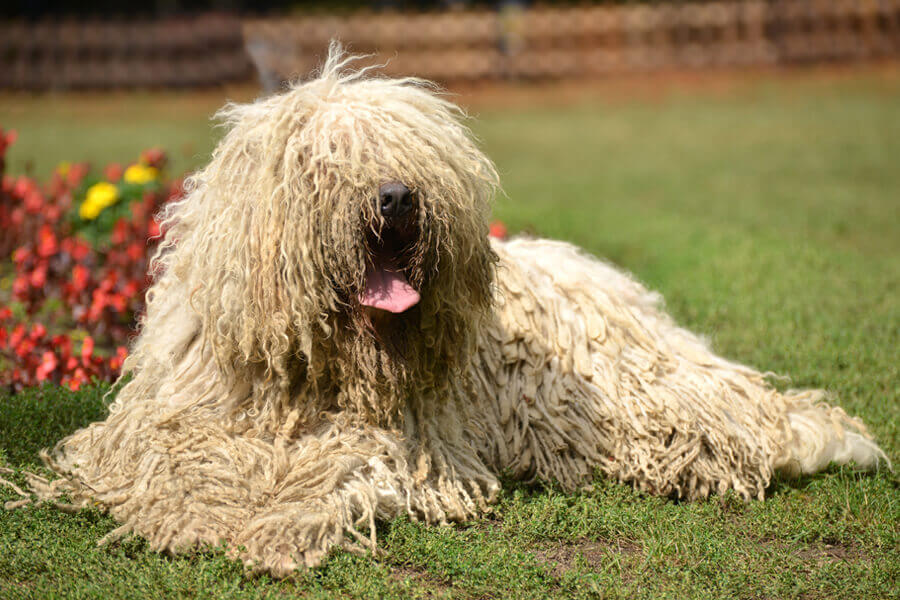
(332, 339)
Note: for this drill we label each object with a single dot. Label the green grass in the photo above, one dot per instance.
(769, 217)
(111, 128)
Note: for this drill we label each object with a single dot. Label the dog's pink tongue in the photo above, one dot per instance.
(388, 290)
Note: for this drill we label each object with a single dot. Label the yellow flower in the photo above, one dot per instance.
(140, 174)
(99, 196)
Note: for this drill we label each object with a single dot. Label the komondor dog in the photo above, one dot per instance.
(332, 339)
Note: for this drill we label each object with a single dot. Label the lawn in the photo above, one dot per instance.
(767, 214)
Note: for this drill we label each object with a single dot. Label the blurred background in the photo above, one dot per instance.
(47, 45)
(702, 145)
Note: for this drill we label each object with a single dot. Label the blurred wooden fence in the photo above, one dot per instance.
(586, 41)
(175, 52)
(512, 43)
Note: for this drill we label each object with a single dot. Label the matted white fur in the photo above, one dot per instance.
(264, 408)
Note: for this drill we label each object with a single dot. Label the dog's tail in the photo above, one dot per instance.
(821, 434)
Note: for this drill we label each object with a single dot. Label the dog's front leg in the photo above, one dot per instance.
(276, 502)
(328, 489)
(323, 491)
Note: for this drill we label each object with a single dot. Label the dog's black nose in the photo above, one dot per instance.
(395, 201)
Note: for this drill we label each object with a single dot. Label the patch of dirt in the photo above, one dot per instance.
(827, 551)
(562, 556)
(831, 553)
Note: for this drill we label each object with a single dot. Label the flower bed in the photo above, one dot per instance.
(73, 267)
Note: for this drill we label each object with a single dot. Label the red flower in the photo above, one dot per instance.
(154, 157)
(113, 172)
(38, 331)
(76, 248)
(23, 347)
(87, 349)
(115, 363)
(120, 232)
(80, 277)
(33, 201)
(76, 173)
(52, 213)
(38, 277)
(47, 244)
(132, 288)
(22, 186)
(75, 381)
(63, 344)
(21, 255)
(118, 301)
(20, 287)
(47, 366)
(135, 251)
(18, 333)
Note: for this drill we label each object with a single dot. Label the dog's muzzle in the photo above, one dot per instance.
(386, 286)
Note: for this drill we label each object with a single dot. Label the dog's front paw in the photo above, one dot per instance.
(279, 543)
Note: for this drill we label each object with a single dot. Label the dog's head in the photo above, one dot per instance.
(341, 229)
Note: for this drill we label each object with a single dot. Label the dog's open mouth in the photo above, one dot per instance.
(387, 287)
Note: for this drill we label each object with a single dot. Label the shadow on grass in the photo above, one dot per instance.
(783, 484)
